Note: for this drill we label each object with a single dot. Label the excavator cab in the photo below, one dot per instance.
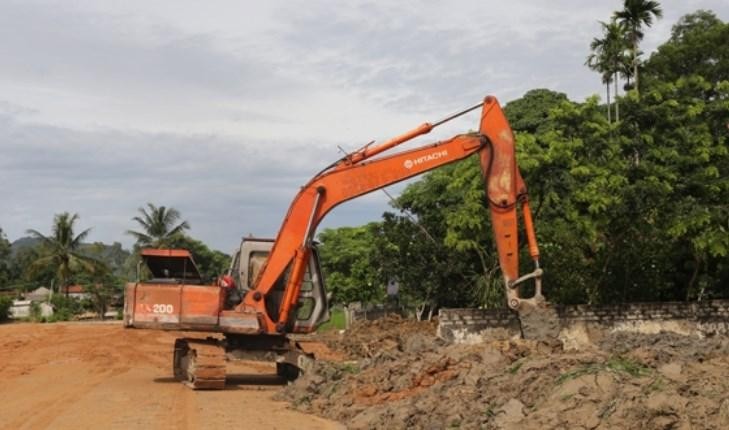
(312, 308)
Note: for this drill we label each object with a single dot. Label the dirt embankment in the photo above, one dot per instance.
(401, 376)
(101, 376)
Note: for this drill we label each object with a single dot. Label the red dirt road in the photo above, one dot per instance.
(99, 375)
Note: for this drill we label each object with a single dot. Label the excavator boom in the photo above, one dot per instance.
(358, 173)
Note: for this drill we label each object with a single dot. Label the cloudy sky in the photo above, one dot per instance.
(223, 109)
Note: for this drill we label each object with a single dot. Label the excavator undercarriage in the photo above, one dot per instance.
(201, 363)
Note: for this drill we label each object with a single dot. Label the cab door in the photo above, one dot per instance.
(312, 308)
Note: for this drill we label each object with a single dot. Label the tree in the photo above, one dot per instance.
(21, 278)
(608, 58)
(5, 263)
(102, 287)
(699, 45)
(160, 226)
(530, 113)
(61, 249)
(5, 304)
(634, 15)
(601, 60)
(350, 271)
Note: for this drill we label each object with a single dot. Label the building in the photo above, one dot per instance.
(40, 294)
(75, 291)
(21, 309)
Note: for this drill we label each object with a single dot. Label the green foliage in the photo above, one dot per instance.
(530, 113)
(633, 17)
(64, 308)
(5, 304)
(103, 288)
(347, 262)
(160, 226)
(5, 263)
(61, 250)
(699, 45)
(113, 256)
(615, 364)
(24, 279)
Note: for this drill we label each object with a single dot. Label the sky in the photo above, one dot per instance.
(224, 109)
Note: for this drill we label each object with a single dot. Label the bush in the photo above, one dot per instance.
(64, 308)
(5, 304)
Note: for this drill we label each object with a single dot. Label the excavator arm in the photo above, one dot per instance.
(359, 173)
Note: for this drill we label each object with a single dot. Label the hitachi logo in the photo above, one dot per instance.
(409, 164)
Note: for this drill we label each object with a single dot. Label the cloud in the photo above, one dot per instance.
(223, 112)
(224, 188)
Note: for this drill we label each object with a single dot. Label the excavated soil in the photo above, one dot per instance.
(398, 375)
(101, 376)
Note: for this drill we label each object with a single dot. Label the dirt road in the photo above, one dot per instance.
(99, 375)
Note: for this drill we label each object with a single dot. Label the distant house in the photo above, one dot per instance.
(75, 291)
(40, 294)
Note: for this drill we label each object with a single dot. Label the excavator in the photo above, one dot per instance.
(275, 288)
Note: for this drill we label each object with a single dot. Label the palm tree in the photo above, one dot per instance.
(61, 250)
(605, 57)
(636, 14)
(158, 225)
(608, 58)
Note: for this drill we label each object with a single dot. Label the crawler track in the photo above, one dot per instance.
(199, 363)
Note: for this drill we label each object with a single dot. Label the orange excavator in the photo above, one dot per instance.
(275, 287)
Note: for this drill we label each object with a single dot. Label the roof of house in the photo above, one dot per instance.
(74, 289)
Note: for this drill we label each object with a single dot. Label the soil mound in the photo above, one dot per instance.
(400, 375)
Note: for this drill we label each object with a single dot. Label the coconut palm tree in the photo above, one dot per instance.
(159, 225)
(635, 15)
(61, 250)
(608, 58)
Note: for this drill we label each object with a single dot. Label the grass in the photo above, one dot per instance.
(616, 364)
(337, 320)
(349, 367)
(516, 366)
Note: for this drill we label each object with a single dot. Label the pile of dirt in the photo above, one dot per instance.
(382, 338)
(402, 376)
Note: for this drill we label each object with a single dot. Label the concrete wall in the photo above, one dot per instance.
(358, 312)
(21, 309)
(581, 323)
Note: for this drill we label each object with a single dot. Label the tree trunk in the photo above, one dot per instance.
(420, 311)
(607, 85)
(430, 312)
(694, 276)
(617, 105)
(635, 59)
